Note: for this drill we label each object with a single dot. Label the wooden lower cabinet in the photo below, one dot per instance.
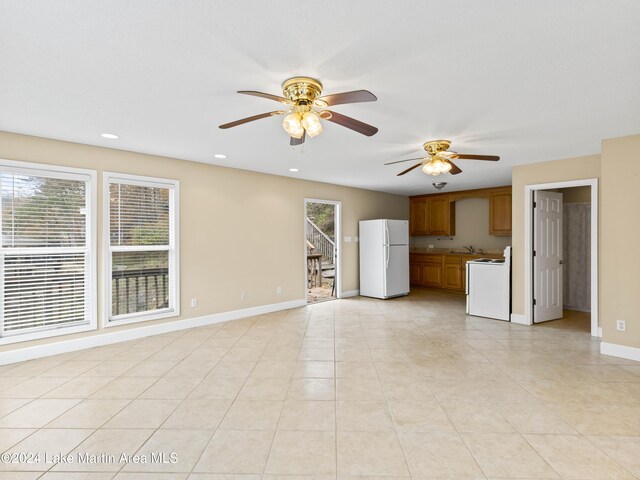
(443, 271)
(415, 273)
(452, 279)
(432, 274)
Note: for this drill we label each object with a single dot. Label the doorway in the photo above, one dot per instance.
(561, 255)
(322, 250)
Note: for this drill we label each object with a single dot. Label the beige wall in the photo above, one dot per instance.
(545, 172)
(620, 227)
(239, 230)
(472, 228)
(576, 194)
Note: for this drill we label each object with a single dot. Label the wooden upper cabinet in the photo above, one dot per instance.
(442, 216)
(419, 212)
(436, 214)
(500, 211)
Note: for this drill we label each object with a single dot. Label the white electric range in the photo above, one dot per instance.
(489, 287)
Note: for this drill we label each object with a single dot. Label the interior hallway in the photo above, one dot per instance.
(410, 387)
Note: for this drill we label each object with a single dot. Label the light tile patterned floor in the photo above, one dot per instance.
(410, 387)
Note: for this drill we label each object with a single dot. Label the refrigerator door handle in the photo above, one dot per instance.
(387, 240)
(387, 255)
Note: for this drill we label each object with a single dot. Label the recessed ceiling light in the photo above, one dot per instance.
(109, 135)
(293, 169)
(220, 155)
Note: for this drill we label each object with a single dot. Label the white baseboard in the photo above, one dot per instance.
(350, 293)
(519, 319)
(621, 351)
(109, 337)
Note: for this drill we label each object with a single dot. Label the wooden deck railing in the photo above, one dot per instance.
(322, 243)
(139, 290)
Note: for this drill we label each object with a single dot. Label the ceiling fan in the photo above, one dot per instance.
(305, 107)
(440, 160)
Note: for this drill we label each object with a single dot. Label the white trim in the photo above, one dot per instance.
(621, 351)
(528, 247)
(173, 248)
(350, 293)
(90, 177)
(37, 351)
(52, 170)
(338, 236)
(519, 319)
(129, 318)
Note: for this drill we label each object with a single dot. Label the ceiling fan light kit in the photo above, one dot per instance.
(436, 166)
(302, 97)
(440, 160)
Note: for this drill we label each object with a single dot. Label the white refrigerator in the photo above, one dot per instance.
(384, 258)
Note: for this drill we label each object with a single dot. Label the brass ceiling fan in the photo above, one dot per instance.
(305, 108)
(440, 159)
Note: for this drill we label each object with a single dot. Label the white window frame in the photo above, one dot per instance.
(174, 251)
(90, 177)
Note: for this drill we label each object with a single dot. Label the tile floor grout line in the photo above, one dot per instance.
(232, 401)
(388, 407)
(283, 403)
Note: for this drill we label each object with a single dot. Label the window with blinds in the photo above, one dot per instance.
(142, 256)
(45, 254)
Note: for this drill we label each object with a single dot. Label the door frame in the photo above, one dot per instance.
(338, 226)
(596, 330)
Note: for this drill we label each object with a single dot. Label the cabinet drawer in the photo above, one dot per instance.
(432, 258)
(452, 260)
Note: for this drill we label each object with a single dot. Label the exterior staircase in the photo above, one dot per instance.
(319, 242)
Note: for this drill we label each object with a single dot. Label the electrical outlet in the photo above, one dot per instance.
(243, 295)
(355, 239)
(621, 325)
(430, 246)
(194, 302)
(278, 290)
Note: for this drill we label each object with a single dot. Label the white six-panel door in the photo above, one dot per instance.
(547, 261)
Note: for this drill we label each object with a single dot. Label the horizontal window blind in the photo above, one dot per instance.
(42, 212)
(141, 248)
(138, 215)
(44, 253)
(44, 290)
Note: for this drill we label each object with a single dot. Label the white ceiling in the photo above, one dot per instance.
(527, 80)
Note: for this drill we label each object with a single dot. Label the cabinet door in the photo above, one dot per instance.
(432, 274)
(418, 216)
(441, 216)
(500, 212)
(415, 274)
(452, 277)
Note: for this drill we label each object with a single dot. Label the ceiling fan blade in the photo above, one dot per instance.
(455, 170)
(407, 160)
(491, 158)
(352, 123)
(356, 96)
(409, 169)
(268, 96)
(250, 119)
(297, 141)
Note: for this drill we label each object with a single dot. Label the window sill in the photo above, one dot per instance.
(144, 317)
(53, 332)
